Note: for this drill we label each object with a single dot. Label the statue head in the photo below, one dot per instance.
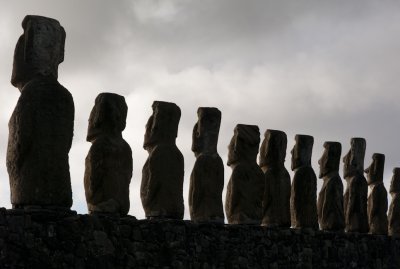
(108, 116)
(244, 144)
(395, 183)
(206, 130)
(39, 50)
(375, 170)
(354, 159)
(162, 126)
(302, 151)
(273, 148)
(330, 159)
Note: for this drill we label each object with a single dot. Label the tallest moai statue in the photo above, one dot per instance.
(41, 126)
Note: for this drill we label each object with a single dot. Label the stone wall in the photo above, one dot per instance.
(47, 239)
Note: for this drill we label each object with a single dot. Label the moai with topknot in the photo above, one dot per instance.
(303, 199)
(330, 199)
(276, 201)
(356, 194)
(377, 199)
(161, 190)
(394, 209)
(41, 126)
(207, 178)
(109, 161)
(243, 204)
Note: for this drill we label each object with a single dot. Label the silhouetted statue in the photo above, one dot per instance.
(330, 199)
(276, 201)
(355, 196)
(41, 126)
(161, 190)
(245, 190)
(207, 178)
(377, 199)
(109, 161)
(303, 199)
(394, 209)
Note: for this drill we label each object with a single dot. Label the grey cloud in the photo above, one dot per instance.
(322, 68)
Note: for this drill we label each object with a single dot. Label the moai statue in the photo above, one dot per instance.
(330, 199)
(109, 161)
(243, 204)
(303, 199)
(41, 126)
(355, 196)
(276, 201)
(394, 209)
(377, 199)
(161, 190)
(207, 178)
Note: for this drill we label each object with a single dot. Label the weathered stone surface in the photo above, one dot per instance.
(41, 126)
(207, 178)
(39, 50)
(330, 199)
(109, 161)
(276, 201)
(101, 242)
(303, 199)
(243, 204)
(394, 209)
(161, 190)
(377, 199)
(356, 194)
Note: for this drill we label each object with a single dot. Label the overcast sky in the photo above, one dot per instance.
(330, 69)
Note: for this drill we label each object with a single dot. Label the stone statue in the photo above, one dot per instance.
(303, 199)
(355, 196)
(243, 204)
(41, 126)
(377, 199)
(276, 201)
(330, 199)
(109, 161)
(207, 178)
(394, 209)
(161, 190)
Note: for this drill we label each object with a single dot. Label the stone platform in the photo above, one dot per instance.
(47, 239)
